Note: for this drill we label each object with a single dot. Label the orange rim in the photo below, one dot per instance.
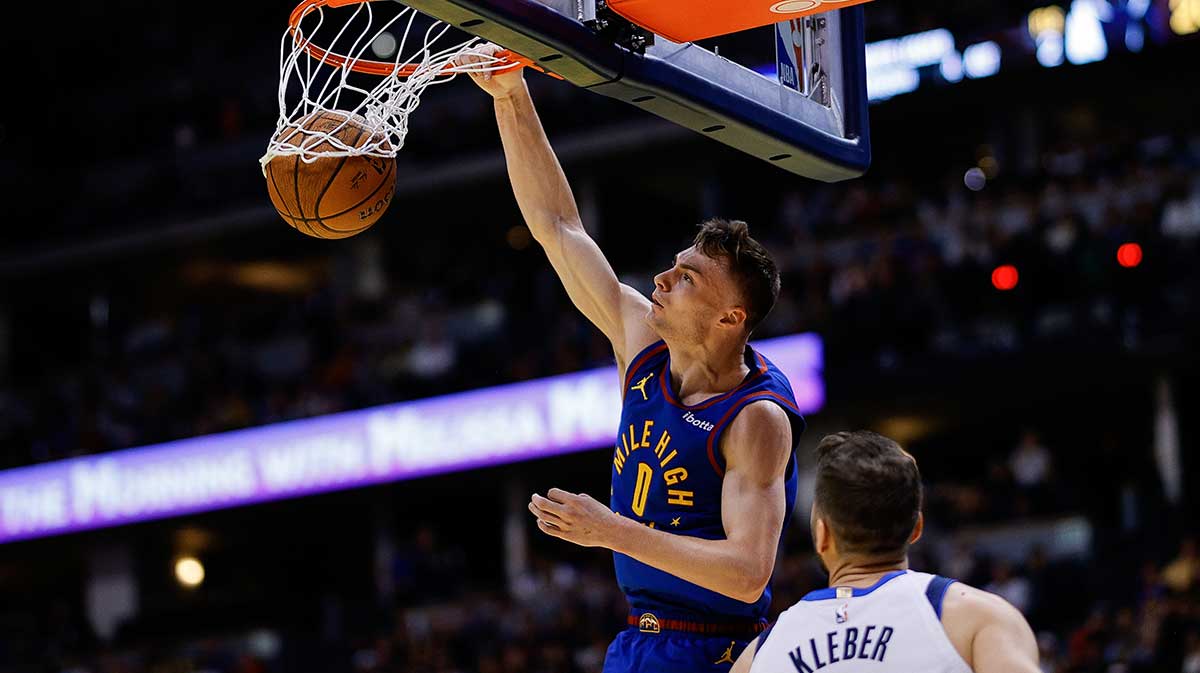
(381, 68)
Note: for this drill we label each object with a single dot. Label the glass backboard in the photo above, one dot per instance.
(810, 118)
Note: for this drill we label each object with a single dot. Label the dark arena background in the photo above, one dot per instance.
(1012, 291)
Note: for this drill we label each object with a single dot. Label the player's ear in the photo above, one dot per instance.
(734, 316)
(917, 529)
(822, 539)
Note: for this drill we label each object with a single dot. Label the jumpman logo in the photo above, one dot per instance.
(726, 658)
(641, 385)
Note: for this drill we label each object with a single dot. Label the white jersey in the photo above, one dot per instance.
(892, 627)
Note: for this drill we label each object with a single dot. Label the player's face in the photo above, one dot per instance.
(692, 296)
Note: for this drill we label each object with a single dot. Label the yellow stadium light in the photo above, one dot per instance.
(1046, 19)
(1185, 16)
(189, 571)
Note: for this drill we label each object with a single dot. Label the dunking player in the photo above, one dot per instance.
(703, 474)
(877, 616)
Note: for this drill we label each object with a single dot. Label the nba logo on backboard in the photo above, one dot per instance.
(789, 53)
(842, 613)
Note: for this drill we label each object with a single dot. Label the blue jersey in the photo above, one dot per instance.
(667, 473)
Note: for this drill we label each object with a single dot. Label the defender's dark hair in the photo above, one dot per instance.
(751, 264)
(869, 492)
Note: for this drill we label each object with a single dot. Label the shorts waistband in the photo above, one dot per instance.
(648, 622)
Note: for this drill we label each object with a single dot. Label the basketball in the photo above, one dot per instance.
(331, 197)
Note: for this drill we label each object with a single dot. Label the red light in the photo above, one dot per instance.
(1004, 277)
(1129, 255)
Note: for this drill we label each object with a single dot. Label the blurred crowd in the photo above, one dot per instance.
(564, 616)
(894, 270)
(559, 618)
(891, 275)
(1125, 603)
(917, 276)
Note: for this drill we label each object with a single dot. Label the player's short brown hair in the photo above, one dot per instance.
(751, 264)
(868, 491)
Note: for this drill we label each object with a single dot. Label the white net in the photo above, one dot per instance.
(323, 73)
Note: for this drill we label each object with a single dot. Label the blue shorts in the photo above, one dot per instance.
(671, 652)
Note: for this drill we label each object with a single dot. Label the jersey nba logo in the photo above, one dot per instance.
(842, 614)
(640, 386)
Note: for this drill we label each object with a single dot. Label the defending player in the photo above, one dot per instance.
(703, 474)
(877, 616)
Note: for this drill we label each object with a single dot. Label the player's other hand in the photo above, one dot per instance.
(500, 83)
(577, 518)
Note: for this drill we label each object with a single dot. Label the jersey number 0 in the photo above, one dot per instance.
(642, 489)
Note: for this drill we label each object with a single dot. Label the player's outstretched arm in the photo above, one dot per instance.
(990, 634)
(756, 448)
(549, 208)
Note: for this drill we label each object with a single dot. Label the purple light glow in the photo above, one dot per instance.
(490, 426)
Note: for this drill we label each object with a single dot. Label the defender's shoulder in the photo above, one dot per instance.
(968, 603)
(987, 631)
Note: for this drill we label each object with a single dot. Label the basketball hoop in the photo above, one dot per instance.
(314, 79)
